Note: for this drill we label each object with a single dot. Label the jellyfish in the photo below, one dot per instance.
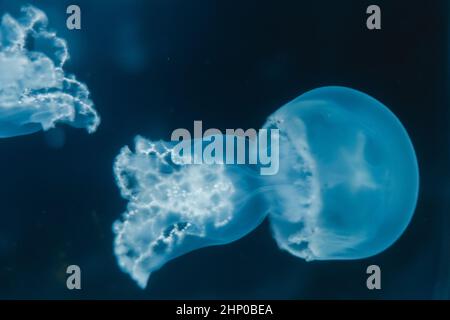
(346, 187)
(35, 91)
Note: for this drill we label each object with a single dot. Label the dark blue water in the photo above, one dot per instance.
(153, 66)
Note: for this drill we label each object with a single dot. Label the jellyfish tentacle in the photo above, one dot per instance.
(176, 208)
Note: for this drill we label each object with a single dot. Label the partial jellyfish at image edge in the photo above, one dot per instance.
(35, 91)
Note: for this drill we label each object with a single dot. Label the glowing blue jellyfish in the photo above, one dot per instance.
(35, 92)
(346, 188)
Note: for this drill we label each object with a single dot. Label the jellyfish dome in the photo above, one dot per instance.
(35, 91)
(348, 177)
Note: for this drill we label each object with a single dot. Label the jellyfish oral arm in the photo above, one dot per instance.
(35, 91)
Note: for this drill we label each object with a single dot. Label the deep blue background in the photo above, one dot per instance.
(153, 66)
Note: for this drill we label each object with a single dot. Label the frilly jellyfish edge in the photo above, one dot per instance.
(35, 92)
(175, 208)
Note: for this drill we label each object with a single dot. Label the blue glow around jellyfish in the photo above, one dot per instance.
(35, 92)
(346, 188)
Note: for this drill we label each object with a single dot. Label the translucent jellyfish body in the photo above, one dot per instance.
(348, 176)
(35, 92)
(346, 187)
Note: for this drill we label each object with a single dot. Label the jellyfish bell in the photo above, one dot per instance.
(348, 176)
